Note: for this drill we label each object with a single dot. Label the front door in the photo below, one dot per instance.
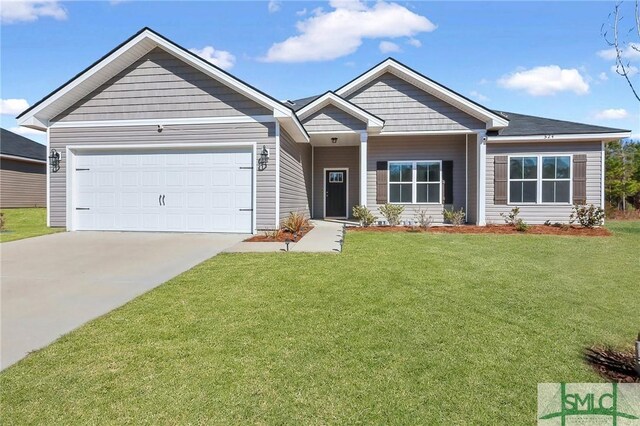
(335, 193)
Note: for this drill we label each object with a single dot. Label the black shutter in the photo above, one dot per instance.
(580, 179)
(500, 173)
(447, 177)
(381, 182)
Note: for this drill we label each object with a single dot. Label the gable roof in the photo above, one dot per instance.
(493, 119)
(521, 125)
(127, 53)
(330, 98)
(18, 146)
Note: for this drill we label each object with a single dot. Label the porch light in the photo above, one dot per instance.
(54, 161)
(334, 140)
(264, 158)
(287, 242)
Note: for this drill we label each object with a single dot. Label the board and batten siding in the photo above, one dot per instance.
(159, 85)
(415, 148)
(539, 213)
(333, 119)
(22, 184)
(295, 176)
(406, 108)
(263, 134)
(338, 157)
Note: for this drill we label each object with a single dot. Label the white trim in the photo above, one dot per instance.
(602, 175)
(493, 120)
(539, 179)
(555, 138)
(324, 191)
(24, 159)
(313, 189)
(165, 121)
(429, 132)
(414, 182)
(337, 132)
(71, 152)
(277, 223)
(363, 168)
(466, 178)
(372, 121)
(482, 178)
(48, 179)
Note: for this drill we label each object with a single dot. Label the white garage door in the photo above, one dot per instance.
(180, 191)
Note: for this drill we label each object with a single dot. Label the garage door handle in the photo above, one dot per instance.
(159, 200)
(82, 208)
(163, 201)
(246, 210)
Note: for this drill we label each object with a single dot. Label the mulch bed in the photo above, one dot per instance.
(284, 235)
(613, 365)
(492, 229)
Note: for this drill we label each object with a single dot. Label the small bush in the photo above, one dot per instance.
(521, 226)
(587, 216)
(273, 233)
(423, 219)
(392, 213)
(454, 217)
(511, 218)
(295, 222)
(364, 215)
(3, 222)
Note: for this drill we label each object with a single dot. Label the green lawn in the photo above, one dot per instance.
(400, 329)
(25, 223)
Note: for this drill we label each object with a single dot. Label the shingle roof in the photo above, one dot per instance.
(298, 104)
(19, 146)
(527, 125)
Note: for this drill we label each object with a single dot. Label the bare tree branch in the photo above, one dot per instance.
(623, 66)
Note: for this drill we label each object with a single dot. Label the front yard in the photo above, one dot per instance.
(25, 223)
(400, 328)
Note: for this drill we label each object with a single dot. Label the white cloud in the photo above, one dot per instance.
(30, 10)
(603, 76)
(301, 12)
(483, 81)
(612, 114)
(388, 47)
(221, 58)
(479, 96)
(414, 42)
(26, 131)
(13, 106)
(546, 81)
(630, 51)
(274, 6)
(339, 32)
(631, 70)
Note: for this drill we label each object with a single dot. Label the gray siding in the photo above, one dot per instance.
(472, 205)
(22, 184)
(405, 107)
(332, 119)
(261, 133)
(418, 148)
(537, 214)
(336, 157)
(295, 176)
(161, 86)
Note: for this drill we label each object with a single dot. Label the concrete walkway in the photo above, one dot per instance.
(55, 283)
(323, 238)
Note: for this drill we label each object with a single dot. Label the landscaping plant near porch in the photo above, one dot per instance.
(392, 213)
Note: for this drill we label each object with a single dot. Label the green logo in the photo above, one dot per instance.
(588, 404)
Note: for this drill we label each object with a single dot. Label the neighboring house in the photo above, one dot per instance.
(154, 138)
(23, 171)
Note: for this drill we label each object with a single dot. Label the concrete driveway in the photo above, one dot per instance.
(55, 283)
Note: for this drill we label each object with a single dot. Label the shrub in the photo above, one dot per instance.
(3, 221)
(364, 215)
(273, 233)
(587, 216)
(521, 226)
(511, 218)
(295, 222)
(423, 219)
(392, 213)
(454, 217)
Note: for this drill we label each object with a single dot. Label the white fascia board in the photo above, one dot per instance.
(33, 122)
(559, 138)
(24, 159)
(493, 120)
(289, 120)
(165, 121)
(331, 98)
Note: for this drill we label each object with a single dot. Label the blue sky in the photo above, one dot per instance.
(538, 58)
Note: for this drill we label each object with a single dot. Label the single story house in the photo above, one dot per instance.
(23, 171)
(154, 138)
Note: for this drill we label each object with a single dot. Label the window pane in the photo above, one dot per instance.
(563, 167)
(515, 168)
(562, 191)
(434, 172)
(428, 193)
(530, 167)
(394, 172)
(407, 172)
(529, 191)
(548, 191)
(548, 168)
(434, 193)
(394, 193)
(405, 193)
(515, 192)
(422, 172)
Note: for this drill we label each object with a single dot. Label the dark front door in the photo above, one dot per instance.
(336, 193)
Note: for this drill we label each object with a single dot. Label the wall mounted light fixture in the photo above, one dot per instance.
(264, 158)
(54, 161)
(334, 140)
